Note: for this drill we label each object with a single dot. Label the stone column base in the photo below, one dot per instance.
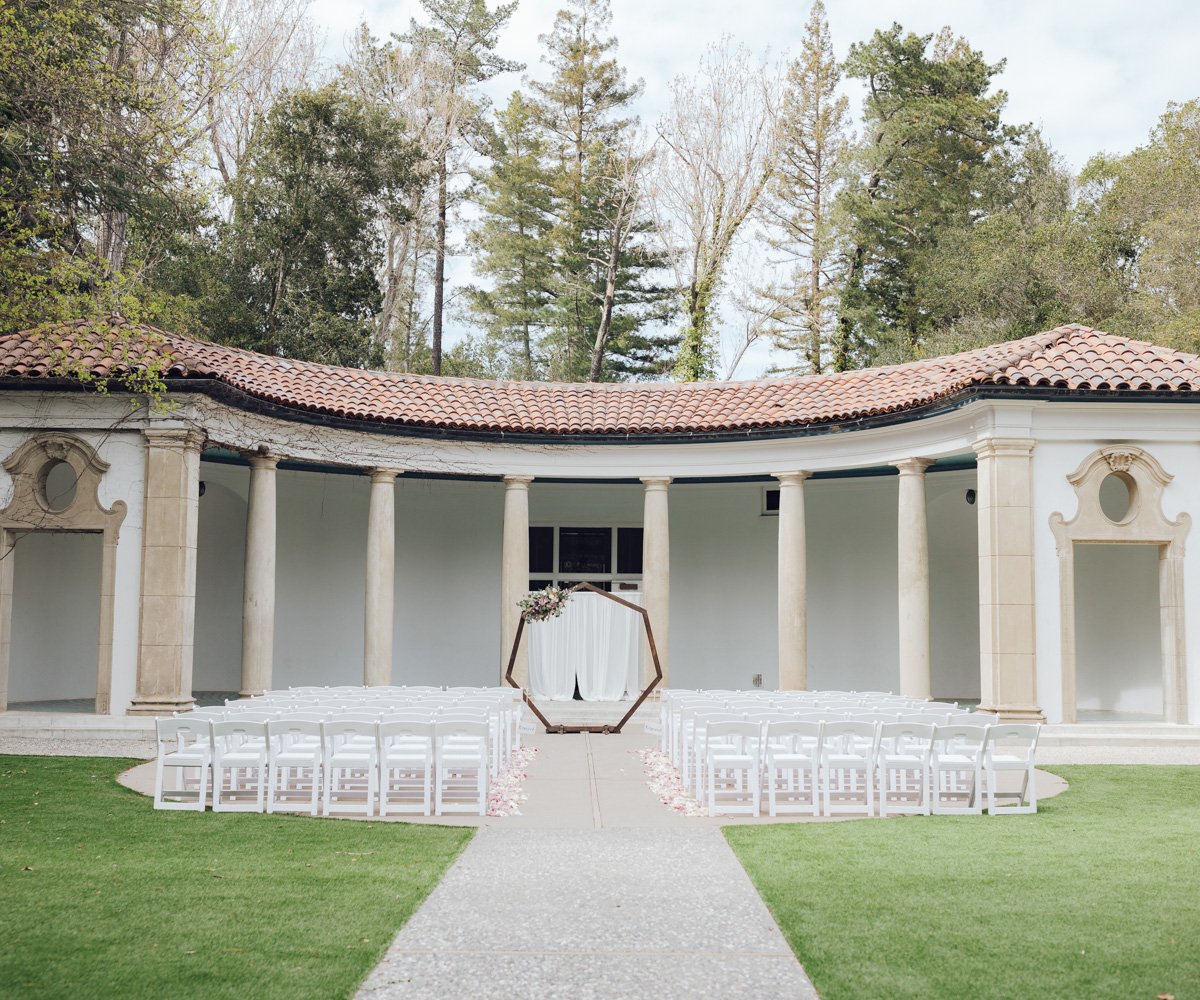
(160, 706)
(1015, 713)
(249, 694)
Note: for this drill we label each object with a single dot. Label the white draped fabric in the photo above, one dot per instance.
(594, 639)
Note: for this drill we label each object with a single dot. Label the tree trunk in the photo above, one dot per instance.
(610, 295)
(439, 267)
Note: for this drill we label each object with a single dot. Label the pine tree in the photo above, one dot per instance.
(812, 146)
(516, 195)
(603, 286)
(460, 41)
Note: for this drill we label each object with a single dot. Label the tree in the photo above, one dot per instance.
(300, 254)
(98, 118)
(267, 48)
(516, 196)
(717, 157)
(1144, 206)
(460, 41)
(811, 150)
(603, 264)
(932, 129)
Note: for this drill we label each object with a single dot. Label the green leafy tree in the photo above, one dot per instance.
(517, 196)
(604, 288)
(932, 129)
(811, 149)
(97, 123)
(458, 46)
(297, 262)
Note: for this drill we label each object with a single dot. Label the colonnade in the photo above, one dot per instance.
(1004, 496)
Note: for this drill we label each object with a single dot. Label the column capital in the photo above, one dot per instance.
(383, 475)
(794, 478)
(997, 447)
(184, 438)
(656, 482)
(913, 466)
(517, 482)
(261, 459)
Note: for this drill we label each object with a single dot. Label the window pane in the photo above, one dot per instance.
(539, 584)
(541, 550)
(584, 550)
(629, 551)
(771, 501)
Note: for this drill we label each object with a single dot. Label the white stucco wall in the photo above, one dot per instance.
(1118, 651)
(723, 570)
(55, 616)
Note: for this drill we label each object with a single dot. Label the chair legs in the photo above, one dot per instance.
(1026, 798)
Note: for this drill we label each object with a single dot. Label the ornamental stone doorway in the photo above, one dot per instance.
(1119, 492)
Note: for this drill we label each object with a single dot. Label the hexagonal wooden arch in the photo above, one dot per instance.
(553, 728)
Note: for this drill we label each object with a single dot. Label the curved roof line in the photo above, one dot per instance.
(1074, 358)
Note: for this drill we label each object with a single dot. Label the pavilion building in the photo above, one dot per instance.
(1007, 525)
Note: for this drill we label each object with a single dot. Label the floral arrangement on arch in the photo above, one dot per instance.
(544, 604)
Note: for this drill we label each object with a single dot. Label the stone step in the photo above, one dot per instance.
(65, 725)
(1160, 734)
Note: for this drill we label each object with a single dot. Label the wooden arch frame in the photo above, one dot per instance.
(1143, 524)
(654, 682)
(29, 511)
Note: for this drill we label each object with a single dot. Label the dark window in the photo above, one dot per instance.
(771, 502)
(584, 550)
(629, 551)
(541, 550)
(539, 584)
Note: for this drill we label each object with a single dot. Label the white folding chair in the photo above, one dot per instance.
(848, 766)
(1011, 747)
(956, 770)
(239, 751)
(462, 762)
(902, 766)
(294, 747)
(184, 746)
(349, 763)
(792, 757)
(405, 766)
(731, 757)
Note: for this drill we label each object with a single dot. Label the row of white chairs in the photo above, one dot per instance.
(503, 707)
(866, 767)
(342, 764)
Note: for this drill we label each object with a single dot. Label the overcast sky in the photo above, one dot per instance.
(1094, 74)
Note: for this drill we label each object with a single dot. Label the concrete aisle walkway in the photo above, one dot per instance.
(596, 890)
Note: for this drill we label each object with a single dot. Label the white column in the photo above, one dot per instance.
(258, 597)
(916, 672)
(793, 583)
(656, 573)
(514, 578)
(379, 605)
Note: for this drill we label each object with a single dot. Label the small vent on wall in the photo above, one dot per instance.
(770, 504)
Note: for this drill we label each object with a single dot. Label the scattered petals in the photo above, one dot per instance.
(507, 789)
(665, 781)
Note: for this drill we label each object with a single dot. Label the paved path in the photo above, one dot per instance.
(613, 913)
(596, 890)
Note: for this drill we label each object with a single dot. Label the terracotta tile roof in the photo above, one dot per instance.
(1073, 357)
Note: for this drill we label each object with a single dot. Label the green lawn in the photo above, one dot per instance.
(101, 896)
(1096, 896)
